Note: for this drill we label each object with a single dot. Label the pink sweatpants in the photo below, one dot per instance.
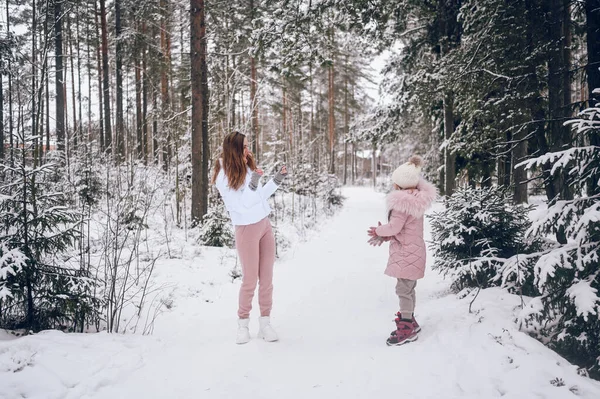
(255, 244)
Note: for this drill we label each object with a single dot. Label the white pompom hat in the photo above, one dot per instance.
(408, 175)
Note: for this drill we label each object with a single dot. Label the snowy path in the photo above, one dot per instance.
(333, 311)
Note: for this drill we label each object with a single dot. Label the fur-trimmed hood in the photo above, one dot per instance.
(412, 202)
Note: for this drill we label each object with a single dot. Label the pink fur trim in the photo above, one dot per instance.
(412, 202)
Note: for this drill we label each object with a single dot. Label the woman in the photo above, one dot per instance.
(237, 179)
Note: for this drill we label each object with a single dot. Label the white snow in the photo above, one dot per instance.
(333, 310)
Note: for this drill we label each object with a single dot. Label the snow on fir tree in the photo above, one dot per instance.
(41, 286)
(566, 314)
(478, 240)
(216, 230)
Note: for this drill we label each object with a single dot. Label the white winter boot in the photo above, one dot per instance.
(243, 333)
(266, 331)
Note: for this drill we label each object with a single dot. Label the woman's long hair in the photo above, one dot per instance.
(232, 157)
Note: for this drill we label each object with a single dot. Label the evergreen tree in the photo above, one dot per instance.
(478, 241)
(567, 313)
(216, 228)
(39, 288)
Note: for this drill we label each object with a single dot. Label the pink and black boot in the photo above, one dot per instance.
(414, 321)
(406, 331)
(404, 334)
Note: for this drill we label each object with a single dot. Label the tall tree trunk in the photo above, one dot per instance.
(536, 109)
(138, 96)
(144, 98)
(566, 48)
(33, 79)
(233, 92)
(346, 123)
(253, 101)
(60, 90)
(119, 131)
(10, 99)
(88, 36)
(1, 119)
(374, 165)
(98, 32)
(105, 78)
(592, 14)
(559, 135)
(284, 129)
(199, 75)
(353, 163)
(155, 112)
(72, 64)
(519, 154)
(165, 45)
(44, 46)
(312, 117)
(331, 98)
(79, 102)
(47, 81)
(449, 156)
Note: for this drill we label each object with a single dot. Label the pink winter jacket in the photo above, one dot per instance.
(405, 227)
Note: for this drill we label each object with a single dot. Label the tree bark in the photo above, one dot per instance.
(331, 98)
(33, 80)
(560, 135)
(346, 123)
(138, 97)
(199, 76)
(99, 68)
(119, 131)
(449, 156)
(566, 48)
(165, 45)
(105, 78)
(72, 64)
(1, 119)
(592, 14)
(144, 99)
(60, 92)
(254, 105)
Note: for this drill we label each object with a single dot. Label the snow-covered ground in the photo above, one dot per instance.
(333, 310)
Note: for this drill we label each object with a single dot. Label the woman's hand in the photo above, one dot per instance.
(259, 171)
(281, 175)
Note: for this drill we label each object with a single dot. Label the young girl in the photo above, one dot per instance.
(406, 205)
(237, 179)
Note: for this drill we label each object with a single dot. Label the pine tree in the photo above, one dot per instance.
(38, 290)
(567, 313)
(479, 240)
(216, 228)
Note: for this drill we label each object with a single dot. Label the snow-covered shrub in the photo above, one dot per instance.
(567, 313)
(216, 230)
(479, 240)
(122, 262)
(329, 189)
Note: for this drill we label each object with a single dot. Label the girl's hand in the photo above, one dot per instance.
(283, 170)
(372, 230)
(375, 241)
(259, 171)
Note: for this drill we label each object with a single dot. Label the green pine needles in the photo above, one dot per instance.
(479, 240)
(39, 286)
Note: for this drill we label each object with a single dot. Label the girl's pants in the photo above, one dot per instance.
(405, 289)
(255, 244)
